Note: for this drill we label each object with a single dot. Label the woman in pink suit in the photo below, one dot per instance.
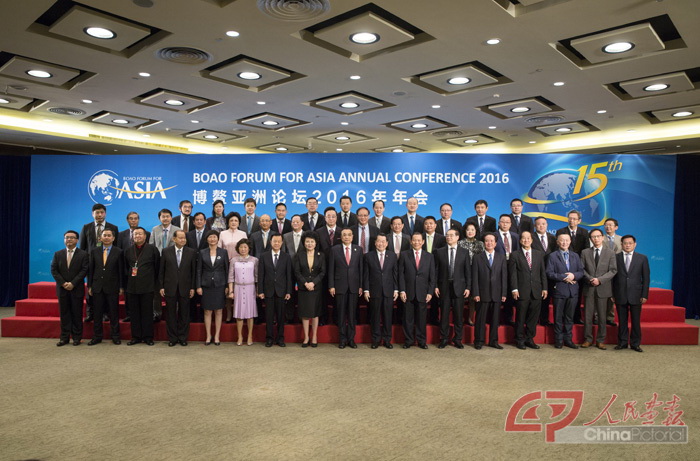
(242, 288)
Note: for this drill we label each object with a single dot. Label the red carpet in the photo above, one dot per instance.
(37, 317)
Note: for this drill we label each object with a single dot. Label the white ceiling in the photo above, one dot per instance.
(306, 67)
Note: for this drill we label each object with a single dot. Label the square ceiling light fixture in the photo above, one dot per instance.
(21, 103)
(99, 30)
(520, 108)
(459, 79)
(672, 115)
(212, 136)
(398, 149)
(673, 82)
(250, 74)
(349, 103)
(559, 129)
(471, 140)
(419, 125)
(519, 7)
(281, 148)
(271, 122)
(634, 40)
(41, 72)
(343, 137)
(121, 120)
(174, 101)
(363, 33)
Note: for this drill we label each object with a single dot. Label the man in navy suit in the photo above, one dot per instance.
(416, 288)
(312, 219)
(412, 221)
(381, 288)
(275, 286)
(489, 288)
(281, 224)
(345, 285)
(506, 243)
(69, 267)
(346, 218)
(105, 284)
(454, 279)
(519, 222)
(380, 221)
(564, 269)
(196, 237)
(483, 223)
(178, 269)
(261, 237)
(447, 223)
(630, 291)
(365, 235)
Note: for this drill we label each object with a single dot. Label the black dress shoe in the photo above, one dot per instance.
(133, 341)
(62, 343)
(423, 346)
(532, 345)
(442, 344)
(477, 347)
(170, 343)
(117, 341)
(281, 343)
(313, 344)
(406, 346)
(618, 347)
(183, 343)
(637, 348)
(307, 345)
(546, 324)
(93, 341)
(341, 346)
(268, 343)
(127, 319)
(570, 345)
(217, 343)
(206, 343)
(495, 345)
(388, 345)
(521, 346)
(149, 342)
(89, 318)
(76, 342)
(352, 345)
(558, 346)
(458, 344)
(612, 324)
(375, 345)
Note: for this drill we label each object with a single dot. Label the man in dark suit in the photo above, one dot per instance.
(528, 284)
(312, 215)
(380, 221)
(447, 223)
(346, 218)
(483, 223)
(250, 222)
(329, 235)
(599, 269)
(416, 287)
(519, 222)
(124, 238)
(261, 237)
(412, 221)
(177, 273)
(579, 235)
(345, 266)
(197, 236)
(433, 242)
(105, 284)
(631, 290)
(90, 239)
(184, 219)
(545, 242)
(506, 240)
(489, 288)
(364, 235)
(141, 261)
(381, 288)
(275, 286)
(69, 267)
(281, 224)
(398, 241)
(564, 270)
(453, 283)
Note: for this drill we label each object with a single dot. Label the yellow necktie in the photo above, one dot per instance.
(104, 256)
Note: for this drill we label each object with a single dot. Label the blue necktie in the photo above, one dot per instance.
(490, 259)
(566, 260)
(411, 225)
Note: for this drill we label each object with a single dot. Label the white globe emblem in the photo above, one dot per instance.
(101, 187)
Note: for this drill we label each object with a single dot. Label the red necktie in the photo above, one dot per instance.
(347, 255)
(417, 261)
(331, 234)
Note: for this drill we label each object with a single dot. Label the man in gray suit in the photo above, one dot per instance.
(599, 268)
(613, 241)
(292, 240)
(631, 290)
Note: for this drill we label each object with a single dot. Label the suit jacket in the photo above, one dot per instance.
(212, 275)
(461, 275)
(489, 225)
(352, 220)
(580, 242)
(454, 224)
(192, 239)
(320, 221)
(405, 243)
(156, 238)
(88, 235)
(530, 282)
(260, 247)
(177, 222)
(75, 273)
(629, 287)
(381, 281)
(244, 224)
(344, 277)
(106, 277)
(286, 227)
(288, 241)
(438, 242)
(304, 274)
(551, 243)
(418, 227)
(420, 282)
(147, 262)
(617, 243)
(490, 283)
(384, 227)
(178, 281)
(325, 238)
(604, 271)
(526, 224)
(370, 234)
(556, 271)
(275, 281)
(514, 243)
(124, 240)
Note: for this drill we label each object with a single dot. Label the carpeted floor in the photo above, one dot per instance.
(255, 403)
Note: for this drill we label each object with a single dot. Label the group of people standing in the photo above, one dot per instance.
(432, 269)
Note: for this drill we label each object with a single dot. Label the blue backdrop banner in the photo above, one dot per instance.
(636, 190)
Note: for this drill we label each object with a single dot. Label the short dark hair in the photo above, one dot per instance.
(418, 234)
(578, 213)
(140, 228)
(613, 220)
(311, 198)
(107, 229)
(249, 200)
(346, 229)
(165, 211)
(525, 232)
(516, 200)
(211, 232)
(344, 197)
(362, 208)
(199, 213)
(628, 236)
(295, 216)
(231, 215)
(98, 206)
(242, 242)
(377, 201)
(538, 218)
(71, 232)
(481, 202)
(275, 235)
(309, 235)
(182, 202)
(281, 204)
(329, 208)
(429, 217)
(394, 218)
(179, 230)
(213, 207)
(590, 233)
(491, 234)
(382, 234)
(448, 204)
(453, 230)
(505, 215)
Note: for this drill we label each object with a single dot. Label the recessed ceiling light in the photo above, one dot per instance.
(146, 135)
(618, 47)
(419, 125)
(194, 121)
(262, 103)
(492, 127)
(558, 83)
(232, 33)
(270, 123)
(144, 74)
(349, 105)
(435, 106)
(683, 113)
(355, 77)
(519, 110)
(459, 80)
(99, 32)
(339, 150)
(174, 102)
(406, 139)
(532, 142)
(87, 101)
(342, 138)
(211, 136)
(471, 141)
(344, 123)
(39, 73)
(493, 41)
(120, 121)
(656, 87)
(249, 75)
(364, 38)
(563, 129)
(397, 150)
(281, 148)
(4, 101)
(602, 111)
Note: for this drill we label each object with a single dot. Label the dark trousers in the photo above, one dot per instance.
(177, 318)
(544, 307)
(451, 302)
(105, 303)
(434, 310)
(196, 312)
(415, 314)
(275, 308)
(624, 311)
(141, 305)
(346, 305)
(527, 313)
(71, 311)
(486, 311)
(506, 317)
(563, 318)
(380, 310)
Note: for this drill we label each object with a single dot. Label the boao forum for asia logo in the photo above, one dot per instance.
(105, 186)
